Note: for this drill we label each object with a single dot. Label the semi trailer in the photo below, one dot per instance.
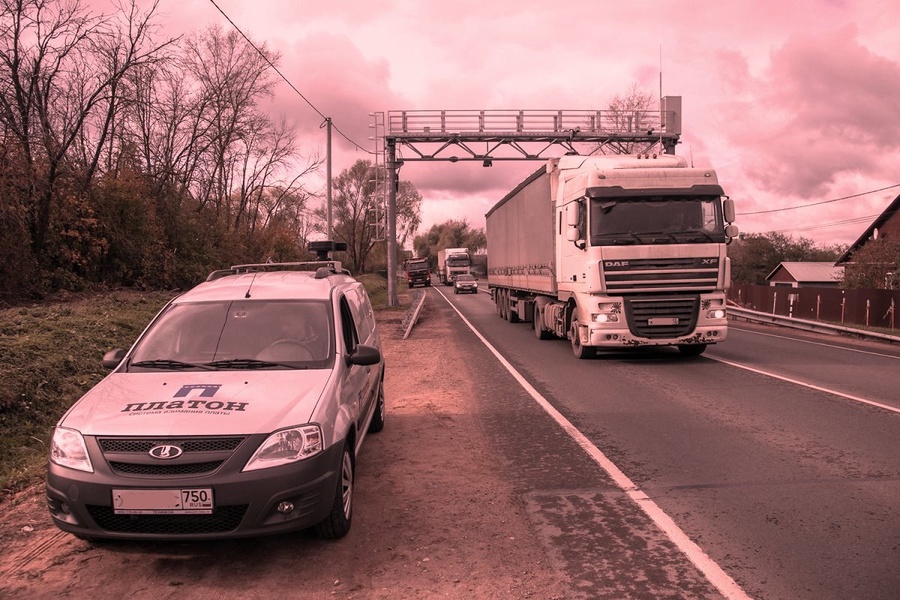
(614, 251)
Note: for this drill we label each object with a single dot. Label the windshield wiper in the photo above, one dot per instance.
(639, 239)
(165, 363)
(250, 363)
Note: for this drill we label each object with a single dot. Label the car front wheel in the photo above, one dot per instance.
(377, 422)
(337, 523)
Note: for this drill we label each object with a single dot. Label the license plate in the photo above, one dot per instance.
(663, 321)
(187, 501)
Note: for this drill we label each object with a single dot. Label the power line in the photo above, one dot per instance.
(286, 80)
(760, 212)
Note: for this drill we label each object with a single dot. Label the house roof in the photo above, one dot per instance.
(810, 272)
(892, 209)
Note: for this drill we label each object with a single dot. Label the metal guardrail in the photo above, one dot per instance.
(413, 315)
(806, 325)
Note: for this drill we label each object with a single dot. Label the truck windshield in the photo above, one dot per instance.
(656, 220)
(458, 261)
(417, 267)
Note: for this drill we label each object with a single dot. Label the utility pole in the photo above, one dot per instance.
(393, 182)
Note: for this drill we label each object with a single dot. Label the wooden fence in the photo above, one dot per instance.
(871, 308)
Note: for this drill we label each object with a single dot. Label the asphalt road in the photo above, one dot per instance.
(776, 455)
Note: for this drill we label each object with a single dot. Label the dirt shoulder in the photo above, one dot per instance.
(432, 518)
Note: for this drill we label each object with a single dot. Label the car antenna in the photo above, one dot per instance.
(247, 295)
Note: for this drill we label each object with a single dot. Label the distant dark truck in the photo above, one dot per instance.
(417, 272)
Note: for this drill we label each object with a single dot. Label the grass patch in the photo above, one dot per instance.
(49, 357)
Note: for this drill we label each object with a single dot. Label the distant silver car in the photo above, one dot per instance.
(465, 284)
(238, 412)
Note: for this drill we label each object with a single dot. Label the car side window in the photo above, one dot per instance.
(362, 313)
(348, 327)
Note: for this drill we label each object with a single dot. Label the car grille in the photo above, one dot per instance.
(164, 470)
(683, 309)
(225, 519)
(130, 457)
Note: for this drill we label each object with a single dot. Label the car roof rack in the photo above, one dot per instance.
(323, 265)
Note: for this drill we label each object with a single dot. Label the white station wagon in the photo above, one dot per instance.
(238, 412)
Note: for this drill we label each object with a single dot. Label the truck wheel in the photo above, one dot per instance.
(337, 523)
(580, 351)
(539, 331)
(692, 349)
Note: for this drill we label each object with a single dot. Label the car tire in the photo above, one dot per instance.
(377, 422)
(337, 523)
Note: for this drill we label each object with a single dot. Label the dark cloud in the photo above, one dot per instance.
(825, 109)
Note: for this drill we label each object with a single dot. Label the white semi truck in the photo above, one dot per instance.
(453, 262)
(614, 252)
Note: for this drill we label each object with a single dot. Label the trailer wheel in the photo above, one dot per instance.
(692, 349)
(539, 331)
(581, 352)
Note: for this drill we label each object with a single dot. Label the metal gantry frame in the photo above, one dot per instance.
(514, 135)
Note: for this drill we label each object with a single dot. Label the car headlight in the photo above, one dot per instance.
(287, 446)
(67, 449)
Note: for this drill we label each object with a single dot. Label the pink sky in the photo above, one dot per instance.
(792, 102)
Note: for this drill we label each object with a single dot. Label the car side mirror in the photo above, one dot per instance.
(364, 355)
(113, 358)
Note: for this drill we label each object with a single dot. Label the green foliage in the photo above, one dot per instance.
(50, 356)
(755, 256)
(449, 234)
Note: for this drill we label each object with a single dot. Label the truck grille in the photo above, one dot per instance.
(646, 275)
(662, 317)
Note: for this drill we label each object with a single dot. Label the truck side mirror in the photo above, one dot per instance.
(572, 234)
(573, 214)
(728, 207)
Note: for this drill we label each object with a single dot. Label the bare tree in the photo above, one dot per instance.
(61, 69)
(355, 204)
(631, 113)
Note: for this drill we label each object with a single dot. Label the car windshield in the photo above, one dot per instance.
(245, 334)
(465, 278)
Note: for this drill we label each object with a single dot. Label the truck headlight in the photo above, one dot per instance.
(718, 313)
(67, 449)
(286, 446)
(605, 318)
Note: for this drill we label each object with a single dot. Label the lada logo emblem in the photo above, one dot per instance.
(166, 452)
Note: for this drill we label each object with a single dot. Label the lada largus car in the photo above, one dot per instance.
(239, 411)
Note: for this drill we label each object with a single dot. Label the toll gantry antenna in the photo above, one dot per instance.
(515, 135)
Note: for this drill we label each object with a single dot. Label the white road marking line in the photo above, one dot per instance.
(818, 388)
(710, 569)
(827, 345)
